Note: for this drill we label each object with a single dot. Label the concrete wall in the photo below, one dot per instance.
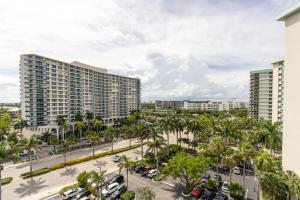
(275, 92)
(291, 112)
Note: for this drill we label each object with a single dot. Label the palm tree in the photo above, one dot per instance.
(178, 127)
(229, 159)
(273, 135)
(217, 147)
(157, 143)
(89, 116)
(97, 124)
(63, 124)
(5, 124)
(53, 141)
(141, 131)
(7, 153)
(125, 164)
(20, 124)
(78, 117)
(264, 161)
(293, 182)
(66, 145)
(94, 139)
(111, 135)
(80, 125)
(30, 145)
(166, 125)
(246, 153)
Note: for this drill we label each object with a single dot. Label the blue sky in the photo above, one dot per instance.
(181, 49)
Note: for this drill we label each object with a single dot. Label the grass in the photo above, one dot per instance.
(6, 180)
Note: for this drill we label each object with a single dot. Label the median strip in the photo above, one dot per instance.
(53, 167)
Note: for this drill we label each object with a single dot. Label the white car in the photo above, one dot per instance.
(110, 189)
(72, 193)
(152, 173)
(225, 188)
(237, 171)
(116, 158)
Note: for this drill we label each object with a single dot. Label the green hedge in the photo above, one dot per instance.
(6, 180)
(64, 189)
(77, 161)
(35, 173)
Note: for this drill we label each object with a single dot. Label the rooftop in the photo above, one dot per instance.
(261, 71)
(287, 13)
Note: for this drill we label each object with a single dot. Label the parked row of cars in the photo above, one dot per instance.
(145, 171)
(77, 194)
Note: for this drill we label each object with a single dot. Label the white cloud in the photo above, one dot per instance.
(200, 43)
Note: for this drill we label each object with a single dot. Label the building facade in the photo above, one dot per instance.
(261, 84)
(201, 105)
(291, 120)
(278, 90)
(50, 88)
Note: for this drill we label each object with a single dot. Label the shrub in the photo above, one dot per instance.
(64, 189)
(212, 185)
(82, 179)
(56, 166)
(129, 195)
(6, 180)
(160, 177)
(236, 191)
(35, 173)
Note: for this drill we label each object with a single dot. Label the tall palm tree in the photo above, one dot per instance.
(53, 141)
(97, 124)
(111, 133)
(156, 143)
(79, 117)
(94, 139)
(30, 145)
(89, 116)
(273, 135)
(217, 147)
(178, 127)
(7, 153)
(66, 145)
(125, 164)
(142, 133)
(63, 124)
(21, 124)
(229, 159)
(166, 124)
(80, 125)
(246, 152)
(264, 161)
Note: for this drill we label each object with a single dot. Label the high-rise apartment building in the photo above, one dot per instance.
(261, 83)
(278, 90)
(291, 110)
(50, 88)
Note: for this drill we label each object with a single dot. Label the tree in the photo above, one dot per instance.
(264, 162)
(30, 145)
(292, 180)
(20, 124)
(94, 139)
(246, 153)
(111, 133)
(79, 117)
(53, 141)
(236, 191)
(66, 145)
(142, 133)
(5, 124)
(7, 153)
(217, 148)
(273, 135)
(89, 116)
(187, 168)
(125, 164)
(166, 124)
(80, 125)
(63, 124)
(90, 180)
(156, 143)
(229, 159)
(97, 124)
(145, 193)
(177, 127)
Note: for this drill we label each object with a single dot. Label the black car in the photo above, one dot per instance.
(221, 197)
(138, 168)
(116, 179)
(120, 190)
(208, 195)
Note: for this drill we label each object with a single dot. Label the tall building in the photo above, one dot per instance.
(278, 90)
(50, 88)
(291, 111)
(201, 105)
(261, 82)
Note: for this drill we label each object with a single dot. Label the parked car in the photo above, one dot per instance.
(70, 194)
(138, 168)
(152, 173)
(110, 189)
(225, 168)
(221, 197)
(237, 171)
(198, 191)
(116, 179)
(208, 195)
(116, 158)
(145, 171)
(120, 190)
(204, 179)
(24, 152)
(82, 194)
(225, 188)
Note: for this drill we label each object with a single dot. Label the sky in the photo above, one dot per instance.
(181, 49)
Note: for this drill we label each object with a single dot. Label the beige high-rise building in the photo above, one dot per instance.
(278, 90)
(291, 111)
